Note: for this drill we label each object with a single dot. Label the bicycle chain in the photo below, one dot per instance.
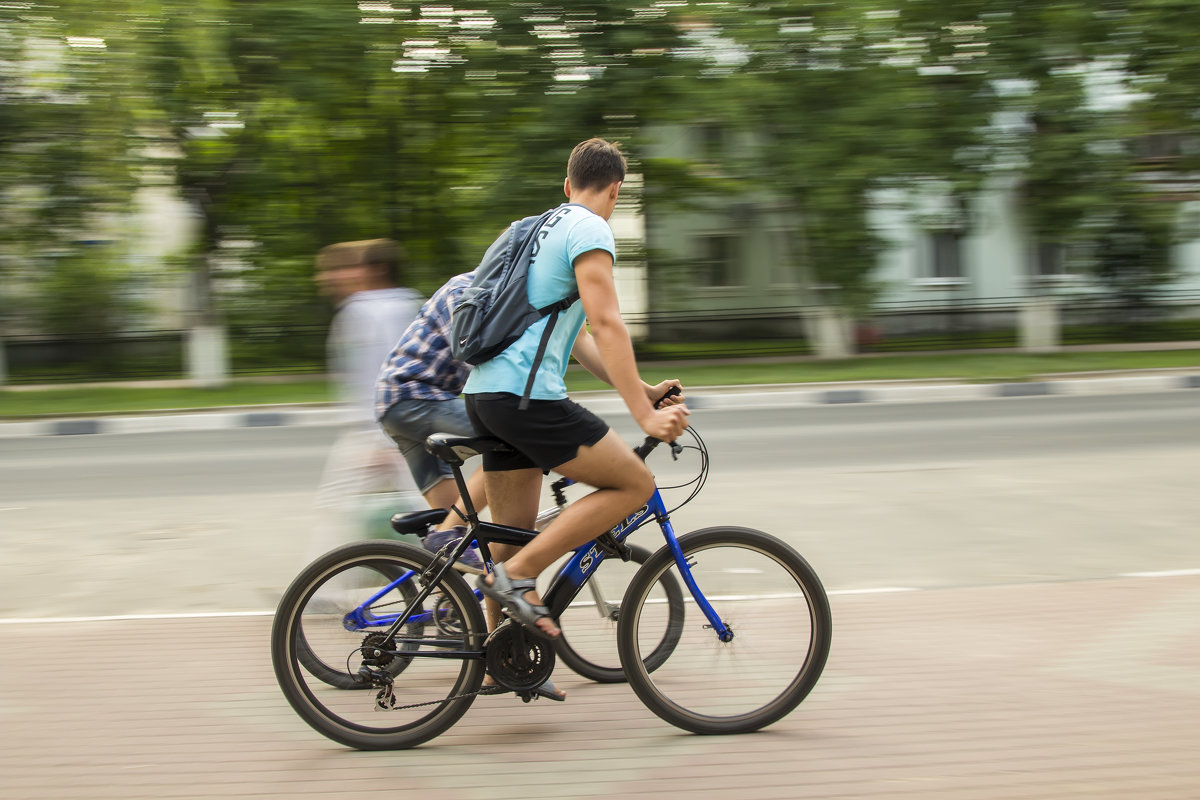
(478, 691)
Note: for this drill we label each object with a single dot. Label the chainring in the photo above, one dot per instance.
(517, 660)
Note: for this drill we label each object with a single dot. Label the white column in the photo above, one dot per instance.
(829, 331)
(629, 274)
(206, 355)
(1040, 325)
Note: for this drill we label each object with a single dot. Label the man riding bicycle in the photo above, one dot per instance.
(555, 433)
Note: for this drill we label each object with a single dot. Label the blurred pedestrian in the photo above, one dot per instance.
(372, 311)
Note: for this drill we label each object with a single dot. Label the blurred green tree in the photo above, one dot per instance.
(68, 172)
(1086, 86)
(290, 124)
(308, 122)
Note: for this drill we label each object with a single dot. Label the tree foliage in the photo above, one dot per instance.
(290, 124)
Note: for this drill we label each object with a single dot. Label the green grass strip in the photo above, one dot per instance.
(982, 367)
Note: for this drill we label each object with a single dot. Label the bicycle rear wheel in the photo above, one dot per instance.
(766, 594)
(418, 687)
(588, 644)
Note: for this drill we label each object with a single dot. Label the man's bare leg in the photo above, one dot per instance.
(623, 483)
(516, 493)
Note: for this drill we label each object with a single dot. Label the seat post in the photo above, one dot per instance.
(468, 506)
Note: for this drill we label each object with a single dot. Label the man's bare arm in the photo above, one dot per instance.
(587, 354)
(594, 274)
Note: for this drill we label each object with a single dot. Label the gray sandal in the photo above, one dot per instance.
(510, 594)
(547, 690)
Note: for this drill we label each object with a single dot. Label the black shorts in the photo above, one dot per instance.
(545, 435)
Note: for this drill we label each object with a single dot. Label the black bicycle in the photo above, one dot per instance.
(591, 617)
(738, 647)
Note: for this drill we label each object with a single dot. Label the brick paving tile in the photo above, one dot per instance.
(1057, 690)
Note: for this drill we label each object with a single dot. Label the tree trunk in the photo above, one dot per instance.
(1040, 325)
(207, 356)
(830, 330)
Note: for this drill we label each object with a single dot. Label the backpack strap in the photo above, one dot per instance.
(554, 310)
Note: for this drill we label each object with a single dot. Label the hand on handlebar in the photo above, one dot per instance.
(667, 393)
(667, 423)
(669, 418)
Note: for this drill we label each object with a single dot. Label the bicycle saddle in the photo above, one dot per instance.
(418, 522)
(457, 449)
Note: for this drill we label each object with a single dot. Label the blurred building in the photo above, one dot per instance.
(728, 270)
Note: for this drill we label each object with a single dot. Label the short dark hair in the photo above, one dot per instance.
(595, 164)
(386, 255)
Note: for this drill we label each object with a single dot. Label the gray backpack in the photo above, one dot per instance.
(494, 311)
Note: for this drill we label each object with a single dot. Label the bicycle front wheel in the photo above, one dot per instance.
(767, 597)
(330, 637)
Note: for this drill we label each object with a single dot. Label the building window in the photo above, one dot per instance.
(716, 261)
(1049, 260)
(782, 246)
(945, 255)
(713, 141)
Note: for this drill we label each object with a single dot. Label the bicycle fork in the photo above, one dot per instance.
(718, 626)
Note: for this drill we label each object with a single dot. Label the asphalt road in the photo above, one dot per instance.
(876, 496)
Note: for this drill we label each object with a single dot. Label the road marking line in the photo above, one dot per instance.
(1166, 573)
(877, 590)
(216, 614)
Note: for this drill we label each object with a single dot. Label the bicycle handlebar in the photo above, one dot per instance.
(648, 445)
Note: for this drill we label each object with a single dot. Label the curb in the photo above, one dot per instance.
(608, 402)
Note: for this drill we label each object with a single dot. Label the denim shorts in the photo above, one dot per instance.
(411, 422)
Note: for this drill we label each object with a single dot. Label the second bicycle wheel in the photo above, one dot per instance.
(588, 644)
(770, 599)
(333, 624)
(337, 674)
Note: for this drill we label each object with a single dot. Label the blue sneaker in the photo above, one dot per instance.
(469, 561)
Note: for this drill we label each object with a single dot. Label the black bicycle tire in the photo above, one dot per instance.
(285, 662)
(337, 676)
(786, 702)
(601, 674)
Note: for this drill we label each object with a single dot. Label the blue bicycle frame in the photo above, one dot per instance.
(566, 584)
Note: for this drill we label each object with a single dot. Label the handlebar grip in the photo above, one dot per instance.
(672, 392)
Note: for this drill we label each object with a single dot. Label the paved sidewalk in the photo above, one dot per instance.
(608, 402)
(1087, 689)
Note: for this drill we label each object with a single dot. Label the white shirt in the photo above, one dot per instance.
(365, 328)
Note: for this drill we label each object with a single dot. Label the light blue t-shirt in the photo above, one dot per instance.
(572, 231)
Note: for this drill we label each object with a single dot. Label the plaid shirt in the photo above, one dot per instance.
(421, 367)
